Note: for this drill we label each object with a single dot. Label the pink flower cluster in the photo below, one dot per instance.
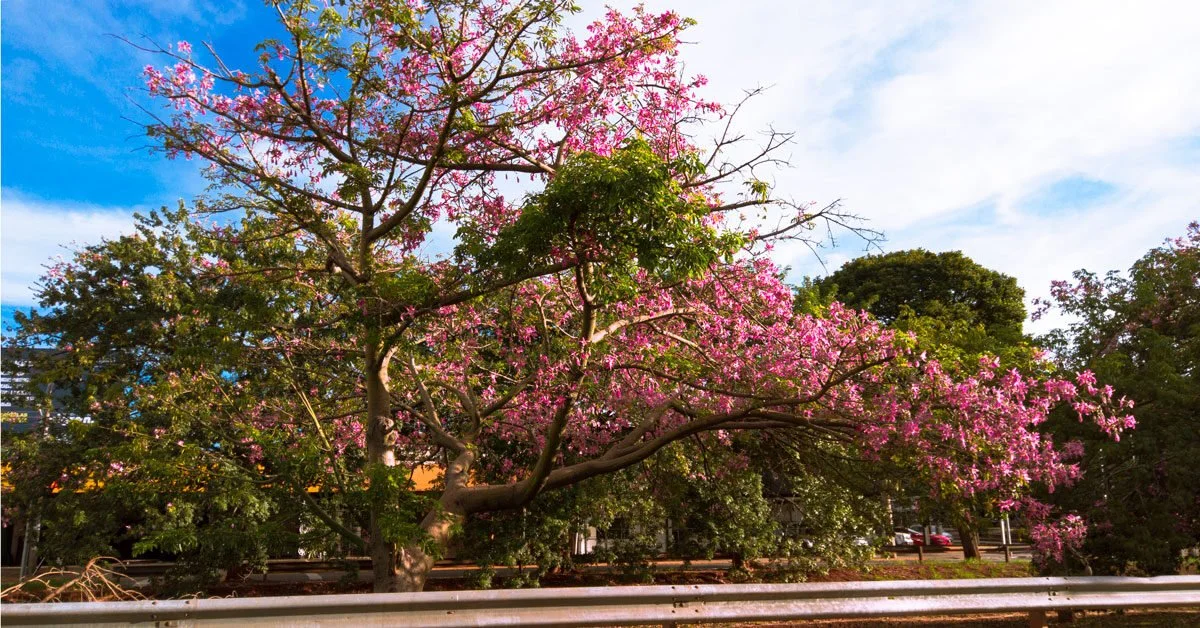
(1054, 540)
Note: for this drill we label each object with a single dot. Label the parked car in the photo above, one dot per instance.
(798, 532)
(936, 540)
(902, 536)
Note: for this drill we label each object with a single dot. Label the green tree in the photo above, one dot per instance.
(747, 500)
(666, 503)
(1140, 331)
(948, 287)
(173, 432)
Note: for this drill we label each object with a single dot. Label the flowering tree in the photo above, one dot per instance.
(960, 312)
(613, 310)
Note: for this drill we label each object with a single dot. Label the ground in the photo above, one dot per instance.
(1173, 618)
(906, 570)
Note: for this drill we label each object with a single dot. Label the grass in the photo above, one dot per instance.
(930, 570)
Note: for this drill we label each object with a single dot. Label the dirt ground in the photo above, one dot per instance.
(1172, 618)
(929, 570)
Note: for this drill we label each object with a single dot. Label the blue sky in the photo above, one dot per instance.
(71, 88)
(76, 163)
(1036, 137)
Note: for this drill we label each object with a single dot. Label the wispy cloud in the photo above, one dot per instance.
(82, 41)
(1036, 137)
(33, 232)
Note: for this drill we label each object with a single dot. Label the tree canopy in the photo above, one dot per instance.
(949, 287)
(573, 331)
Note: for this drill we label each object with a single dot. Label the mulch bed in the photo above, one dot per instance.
(906, 571)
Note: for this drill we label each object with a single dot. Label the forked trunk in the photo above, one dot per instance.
(396, 568)
(405, 569)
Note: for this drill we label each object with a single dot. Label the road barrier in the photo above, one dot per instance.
(608, 606)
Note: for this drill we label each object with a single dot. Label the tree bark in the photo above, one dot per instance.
(968, 531)
(384, 558)
(970, 542)
(407, 568)
(414, 563)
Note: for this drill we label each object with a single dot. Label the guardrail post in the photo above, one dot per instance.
(1037, 619)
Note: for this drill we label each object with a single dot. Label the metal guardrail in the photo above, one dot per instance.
(606, 606)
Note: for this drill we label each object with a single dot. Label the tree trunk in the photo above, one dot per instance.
(968, 531)
(384, 557)
(405, 569)
(970, 541)
(412, 563)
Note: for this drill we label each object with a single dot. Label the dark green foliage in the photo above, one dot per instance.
(1139, 332)
(400, 508)
(697, 499)
(536, 540)
(162, 500)
(948, 287)
(729, 515)
(826, 497)
(155, 445)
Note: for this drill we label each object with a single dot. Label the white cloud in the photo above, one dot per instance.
(33, 232)
(82, 39)
(1040, 249)
(934, 120)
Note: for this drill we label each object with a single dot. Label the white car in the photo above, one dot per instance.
(903, 536)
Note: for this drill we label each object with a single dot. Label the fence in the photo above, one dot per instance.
(604, 606)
